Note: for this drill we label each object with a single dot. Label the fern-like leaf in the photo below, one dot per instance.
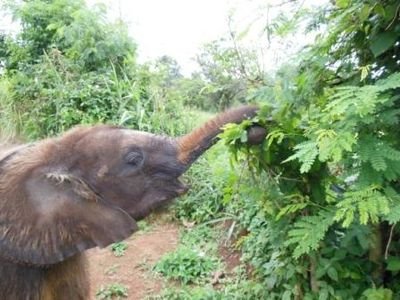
(361, 100)
(378, 152)
(333, 146)
(369, 204)
(308, 232)
(394, 215)
(290, 209)
(306, 153)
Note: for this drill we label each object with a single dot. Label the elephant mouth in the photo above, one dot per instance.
(172, 190)
(159, 198)
(181, 188)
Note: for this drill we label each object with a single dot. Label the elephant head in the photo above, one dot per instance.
(87, 188)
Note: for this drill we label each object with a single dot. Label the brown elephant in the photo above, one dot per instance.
(87, 188)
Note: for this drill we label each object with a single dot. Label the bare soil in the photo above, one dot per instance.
(133, 269)
(145, 248)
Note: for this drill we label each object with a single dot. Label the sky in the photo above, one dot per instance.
(179, 28)
(174, 27)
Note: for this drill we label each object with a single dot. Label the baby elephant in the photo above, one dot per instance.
(87, 188)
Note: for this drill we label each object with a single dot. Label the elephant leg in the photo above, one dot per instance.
(67, 280)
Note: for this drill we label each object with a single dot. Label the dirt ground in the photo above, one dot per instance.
(133, 269)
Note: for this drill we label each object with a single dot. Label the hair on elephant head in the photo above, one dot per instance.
(87, 188)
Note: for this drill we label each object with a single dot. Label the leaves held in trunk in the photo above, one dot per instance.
(256, 135)
(192, 145)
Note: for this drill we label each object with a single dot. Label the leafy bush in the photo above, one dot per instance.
(112, 291)
(324, 195)
(199, 236)
(243, 290)
(231, 288)
(119, 248)
(187, 265)
(69, 66)
(207, 178)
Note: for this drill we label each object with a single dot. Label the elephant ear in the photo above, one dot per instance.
(59, 216)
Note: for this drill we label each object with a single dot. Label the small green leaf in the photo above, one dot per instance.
(287, 295)
(364, 72)
(306, 153)
(342, 3)
(393, 264)
(380, 10)
(383, 42)
(364, 13)
(378, 294)
(323, 294)
(243, 137)
(332, 273)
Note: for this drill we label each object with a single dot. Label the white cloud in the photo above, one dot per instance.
(175, 27)
(178, 28)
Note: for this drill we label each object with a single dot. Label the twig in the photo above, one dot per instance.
(389, 241)
(394, 18)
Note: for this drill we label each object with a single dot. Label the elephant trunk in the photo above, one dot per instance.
(193, 144)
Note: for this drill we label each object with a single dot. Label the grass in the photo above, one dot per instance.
(144, 226)
(112, 291)
(235, 287)
(187, 265)
(119, 248)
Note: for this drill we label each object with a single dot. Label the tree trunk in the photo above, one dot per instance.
(376, 254)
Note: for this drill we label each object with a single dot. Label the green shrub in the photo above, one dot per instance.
(187, 265)
(119, 248)
(112, 291)
(198, 236)
(69, 66)
(241, 290)
(208, 178)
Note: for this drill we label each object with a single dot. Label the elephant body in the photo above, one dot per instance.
(66, 280)
(87, 188)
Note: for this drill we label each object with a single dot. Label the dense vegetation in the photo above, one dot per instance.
(313, 209)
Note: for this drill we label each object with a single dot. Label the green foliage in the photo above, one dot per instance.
(362, 101)
(228, 71)
(393, 264)
(308, 232)
(195, 259)
(378, 294)
(202, 237)
(325, 181)
(112, 291)
(317, 203)
(206, 177)
(393, 216)
(232, 291)
(69, 66)
(118, 249)
(144, 226)
(81, 34)
(369, 203)
(306, 153)
(6, 106)
(187, 265)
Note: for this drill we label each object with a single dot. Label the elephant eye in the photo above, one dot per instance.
(134, 158)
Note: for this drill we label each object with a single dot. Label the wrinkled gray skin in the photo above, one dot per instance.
(87, 188)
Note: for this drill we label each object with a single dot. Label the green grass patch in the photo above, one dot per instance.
(118, 249)
(112, 291)
(187, 265)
